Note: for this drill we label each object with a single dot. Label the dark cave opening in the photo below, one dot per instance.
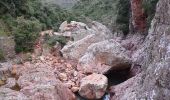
(116, 77)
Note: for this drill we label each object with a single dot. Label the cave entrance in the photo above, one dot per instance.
(116, 77)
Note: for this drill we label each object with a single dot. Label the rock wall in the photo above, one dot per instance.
(154, 57)
(153, 83)
(156, 81)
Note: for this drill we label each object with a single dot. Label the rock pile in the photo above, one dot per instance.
(91, 52)
(37, 79)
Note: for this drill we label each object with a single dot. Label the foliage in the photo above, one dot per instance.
(103, 11)
(36, 16)
(113, 13)
(52, 40)
(123, 15)
(25, 33)
(149, 8)
(13, 7)
(50, 15)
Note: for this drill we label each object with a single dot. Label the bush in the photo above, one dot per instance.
(149, 8)
(25, 33)
(103, 11)
(123, 15)
(50, 15)
(36, 16)
(6, 25)
(52, 40)
(112, 13)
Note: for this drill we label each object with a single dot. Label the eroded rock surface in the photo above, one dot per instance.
(104, 56)
(153, 56)
(77, 49)
(39, 80)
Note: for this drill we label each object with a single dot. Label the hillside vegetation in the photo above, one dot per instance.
(113, 13)
(24, 19)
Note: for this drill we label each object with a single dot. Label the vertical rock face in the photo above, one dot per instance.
(156, 81)
(138, 16)
(154, 57)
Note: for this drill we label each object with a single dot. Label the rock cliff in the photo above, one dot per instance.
(153, 56)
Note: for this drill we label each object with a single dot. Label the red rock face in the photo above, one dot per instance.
(138, 16)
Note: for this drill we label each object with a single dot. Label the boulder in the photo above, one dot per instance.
(78, 48)
(93, 86)
(36, 74)
(48, 92)
(63, 76)
(104, 56)
(74, 30)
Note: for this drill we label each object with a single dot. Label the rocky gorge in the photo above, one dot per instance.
(95, 64)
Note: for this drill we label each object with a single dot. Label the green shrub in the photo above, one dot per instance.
(52, 40)
(103, 11)
(149, 8)
(6, 26)
(25, 33)
(122, 20)
(112, 13)
(50, 15)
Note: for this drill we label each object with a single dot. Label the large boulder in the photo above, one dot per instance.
(78, 48)
(93, 86)
(80, 30)
(74, 30)
(48, 92)
(104, 56)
